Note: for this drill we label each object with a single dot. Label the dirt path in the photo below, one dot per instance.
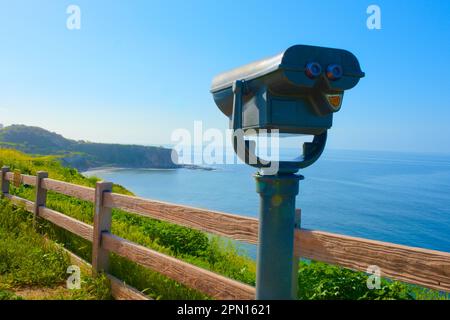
(39, 293)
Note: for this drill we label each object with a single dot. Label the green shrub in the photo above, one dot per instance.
(320, 281)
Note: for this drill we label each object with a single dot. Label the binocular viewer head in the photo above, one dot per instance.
(296, 91)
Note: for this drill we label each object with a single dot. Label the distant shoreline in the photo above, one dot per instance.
(113, 168)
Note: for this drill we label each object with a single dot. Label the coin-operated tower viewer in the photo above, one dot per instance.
(295, 92)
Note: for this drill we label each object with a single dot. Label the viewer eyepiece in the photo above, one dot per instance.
(334, 72)
(313, 70)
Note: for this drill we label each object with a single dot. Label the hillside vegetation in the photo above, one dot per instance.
(83, 155)
(33, 268)
(316, 280)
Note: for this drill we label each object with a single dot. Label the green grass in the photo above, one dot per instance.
(316, 280)
(27, 260)
(8, 295)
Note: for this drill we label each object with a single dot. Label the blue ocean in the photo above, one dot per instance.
(396, 197)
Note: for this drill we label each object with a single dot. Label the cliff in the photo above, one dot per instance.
(83, 155)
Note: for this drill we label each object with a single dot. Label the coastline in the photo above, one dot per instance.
(113, 168)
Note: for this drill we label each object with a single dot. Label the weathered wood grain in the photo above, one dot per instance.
(17, 178)
(28, 205)
(4, 182)
(119, 289)
(102, 223)
(69, 189)
(223, 224)
(41, 194)
(74, 259)
(28, 180)
(210, 283)
(24, 178)
(424, 267)
(9, 176)
(77, 227)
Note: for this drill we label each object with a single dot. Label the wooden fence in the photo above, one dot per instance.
(419, 266)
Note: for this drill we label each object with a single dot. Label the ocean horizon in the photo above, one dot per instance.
(397, 197)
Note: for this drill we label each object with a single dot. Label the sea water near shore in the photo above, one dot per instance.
(396, 197)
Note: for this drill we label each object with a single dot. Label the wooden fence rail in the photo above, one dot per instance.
(192, 276)
(424, 267)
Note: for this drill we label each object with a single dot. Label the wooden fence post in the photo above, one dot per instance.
(41, 194)
(4, 182)
(102, 223)
(17, 178)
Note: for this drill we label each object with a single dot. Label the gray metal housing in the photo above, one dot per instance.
(279, 95)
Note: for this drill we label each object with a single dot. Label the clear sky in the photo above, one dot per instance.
(137, 70)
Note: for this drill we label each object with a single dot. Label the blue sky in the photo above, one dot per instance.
(137, 70)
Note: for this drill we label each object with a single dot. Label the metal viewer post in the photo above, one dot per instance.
(275, 276)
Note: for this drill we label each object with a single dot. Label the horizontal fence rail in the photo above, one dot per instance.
(69, 189)
(75, 226)
(25, 179)
(119, 289)
(222, 224)
(203, 280)
(419, 266)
